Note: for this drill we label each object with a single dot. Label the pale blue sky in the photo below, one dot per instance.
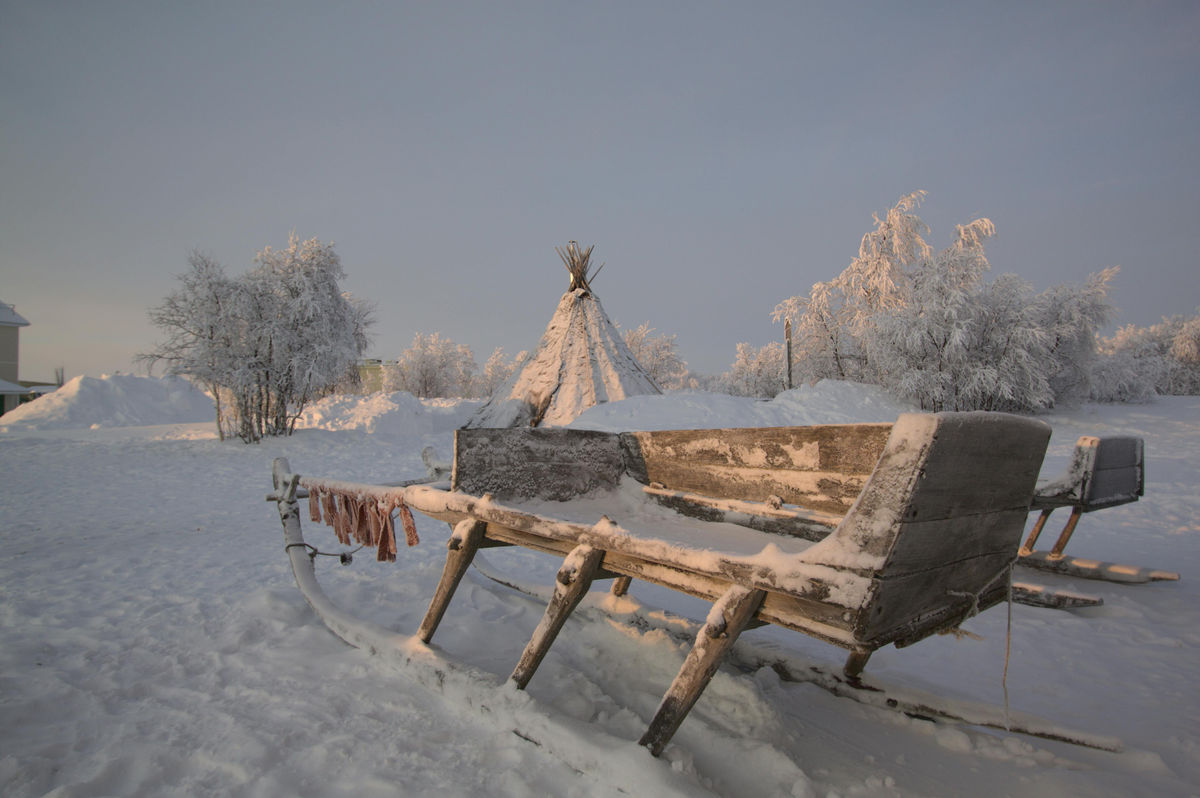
(721, 156)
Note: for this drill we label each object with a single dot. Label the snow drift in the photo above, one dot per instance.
(118, 400)
(155, 643)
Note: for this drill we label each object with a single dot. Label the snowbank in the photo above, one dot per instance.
(394, 414)
(119, 400)
(827, 402)
(155, 643)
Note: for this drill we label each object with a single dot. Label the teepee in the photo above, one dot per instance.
(581, 361)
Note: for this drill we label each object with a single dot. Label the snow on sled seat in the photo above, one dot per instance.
(927, 540)
(1104, 472)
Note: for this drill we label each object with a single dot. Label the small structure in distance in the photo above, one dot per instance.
(581, 361)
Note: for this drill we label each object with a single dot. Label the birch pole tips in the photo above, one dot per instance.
(578, 263)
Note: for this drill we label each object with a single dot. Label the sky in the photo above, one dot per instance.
(721, 157)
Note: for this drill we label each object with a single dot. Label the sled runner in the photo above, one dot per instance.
(1104, 472)
(921, 523)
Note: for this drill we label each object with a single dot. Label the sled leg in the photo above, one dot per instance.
(855, 664)
(1068, 530)
(738, 606)
(463, 544)
(620, 585)
(1035, 532)
(573, 580)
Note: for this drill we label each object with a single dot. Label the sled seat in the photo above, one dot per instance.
(922, 520)
(1104, 472)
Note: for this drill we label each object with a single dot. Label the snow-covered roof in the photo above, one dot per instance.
(7, 387)
(10, 318)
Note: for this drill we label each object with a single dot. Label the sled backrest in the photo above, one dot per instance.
(942, 514)
(1104, 472)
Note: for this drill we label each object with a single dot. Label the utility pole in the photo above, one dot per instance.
(787, 332)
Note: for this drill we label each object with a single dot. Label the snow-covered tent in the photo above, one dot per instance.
(581, 361)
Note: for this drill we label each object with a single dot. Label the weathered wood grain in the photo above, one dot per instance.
(821, 467)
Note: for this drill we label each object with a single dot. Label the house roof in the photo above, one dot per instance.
(7, 387)
(10, 318)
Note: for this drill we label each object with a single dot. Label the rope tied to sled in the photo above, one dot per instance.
(362, 519)
(1006, 573)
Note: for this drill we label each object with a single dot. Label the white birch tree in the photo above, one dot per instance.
(658, 355)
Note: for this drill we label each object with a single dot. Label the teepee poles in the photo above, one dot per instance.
(578, 263)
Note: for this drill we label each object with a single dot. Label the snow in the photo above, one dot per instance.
(155, 642)
(119, 400)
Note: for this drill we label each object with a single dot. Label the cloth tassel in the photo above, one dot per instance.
(359, 519)
(361, 529)
(387, 535)
(329, 505)
(373, 524)
(314, 506)
(343, 520)
(410, 526)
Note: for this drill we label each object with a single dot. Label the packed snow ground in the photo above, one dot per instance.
(154, 642)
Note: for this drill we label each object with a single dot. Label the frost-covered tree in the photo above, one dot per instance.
(756, 371)
(1071, 317)
(1139, 362)
(960, 343)
(267, 343)
(932, 329)
(198, 339)
(658, 355)
(831, 324)
(497, 370)
(432, 366)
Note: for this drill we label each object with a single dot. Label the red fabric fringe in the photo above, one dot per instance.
(362, 520)
(314, 506)
(410, 526)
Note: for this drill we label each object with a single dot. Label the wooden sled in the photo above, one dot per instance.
(1104, 472)
(922, 521)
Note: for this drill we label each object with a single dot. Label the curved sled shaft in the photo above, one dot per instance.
(358, 633)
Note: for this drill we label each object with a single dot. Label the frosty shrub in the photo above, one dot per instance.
(659, 356)
(933, 330)
(497, 370)
(264, 344)
(756, 372)
(832, 323)
(432, 367)
(1139, 362)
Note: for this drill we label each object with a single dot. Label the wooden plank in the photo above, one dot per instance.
(971, 471)
(1041, 596)
(907, 604)
(1095, 569)
(926, 544)
(1118, 451)
(1110, 487)
(789, 521)
(822, 467)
